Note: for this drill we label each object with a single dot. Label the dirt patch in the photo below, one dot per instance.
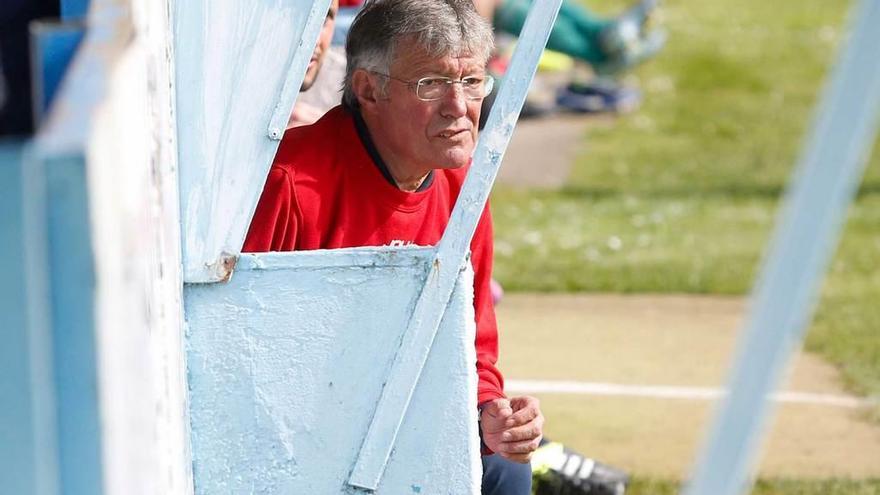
(542, 150)
(670, 341)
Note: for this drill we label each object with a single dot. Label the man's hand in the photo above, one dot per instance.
(512, 427)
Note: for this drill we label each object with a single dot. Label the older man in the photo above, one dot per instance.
(386, 167)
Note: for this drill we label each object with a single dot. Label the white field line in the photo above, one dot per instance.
(668, 392)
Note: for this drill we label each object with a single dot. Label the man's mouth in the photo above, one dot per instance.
(451, 133)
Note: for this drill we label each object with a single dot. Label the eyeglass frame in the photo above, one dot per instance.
(488, 85)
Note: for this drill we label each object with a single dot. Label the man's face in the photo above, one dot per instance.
(321, 47)
(429, 134)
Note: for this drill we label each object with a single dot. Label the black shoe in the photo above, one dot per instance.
(557, 470)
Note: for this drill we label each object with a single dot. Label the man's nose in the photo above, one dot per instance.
(454, 101)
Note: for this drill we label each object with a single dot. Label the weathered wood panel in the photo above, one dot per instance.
(101, 209)
(239, 66)
(287, 362)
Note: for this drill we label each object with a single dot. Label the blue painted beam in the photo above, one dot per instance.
(60, 232)
(60, 224)
(17, 449)
(74, 9)
(57, 422)
(69, 260)
(53, 46)
(811, 219)
(30, 460)
(453, 249)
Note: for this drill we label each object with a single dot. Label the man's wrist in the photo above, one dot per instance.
(484, 449)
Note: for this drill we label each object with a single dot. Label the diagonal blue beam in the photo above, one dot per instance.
(824, 184)
(452, 251)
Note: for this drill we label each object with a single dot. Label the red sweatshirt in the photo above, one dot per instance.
(324, 191)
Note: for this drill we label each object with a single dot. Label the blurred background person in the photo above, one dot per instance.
(609, 45)
(320, 89)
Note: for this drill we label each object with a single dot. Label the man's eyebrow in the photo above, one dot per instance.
(331, 14)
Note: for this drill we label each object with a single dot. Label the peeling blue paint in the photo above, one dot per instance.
(286, 363)
(239, 66)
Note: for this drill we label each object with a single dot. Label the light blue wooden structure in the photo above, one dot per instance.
(121, 228)
(50, 364)
(88, 389)
(373, 382)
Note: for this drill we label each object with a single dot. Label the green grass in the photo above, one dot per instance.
(631, 243)
(770, 487)
(681, 196)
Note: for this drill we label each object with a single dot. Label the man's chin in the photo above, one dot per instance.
(454, 163)
(457, 157)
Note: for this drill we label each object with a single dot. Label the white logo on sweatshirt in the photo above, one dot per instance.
(400, 243)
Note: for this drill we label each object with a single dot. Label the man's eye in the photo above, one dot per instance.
(472, 81)
(433, 82)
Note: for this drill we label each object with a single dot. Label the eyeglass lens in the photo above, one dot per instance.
(433, 88)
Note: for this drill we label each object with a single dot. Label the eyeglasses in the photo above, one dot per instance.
(434, 88)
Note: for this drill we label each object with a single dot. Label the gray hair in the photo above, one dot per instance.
(441, 27)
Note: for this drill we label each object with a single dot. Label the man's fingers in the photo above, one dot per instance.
(523, 416)
(495, 416)
(522, 433)
(525, 409)
(524, 401)
(498, 408)
(524, 447)
(513, 428)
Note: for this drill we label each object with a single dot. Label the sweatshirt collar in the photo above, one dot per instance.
(364, 135)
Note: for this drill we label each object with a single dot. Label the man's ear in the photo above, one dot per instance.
(366, 88)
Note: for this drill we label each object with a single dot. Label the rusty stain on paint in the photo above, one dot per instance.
(222, 268)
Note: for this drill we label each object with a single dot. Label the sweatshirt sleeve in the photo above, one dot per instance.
(274, 225)
(491, 382)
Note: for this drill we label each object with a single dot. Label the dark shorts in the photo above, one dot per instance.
(503, 477)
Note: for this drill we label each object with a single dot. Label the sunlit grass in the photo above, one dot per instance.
(769, 487)
(681, 196)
